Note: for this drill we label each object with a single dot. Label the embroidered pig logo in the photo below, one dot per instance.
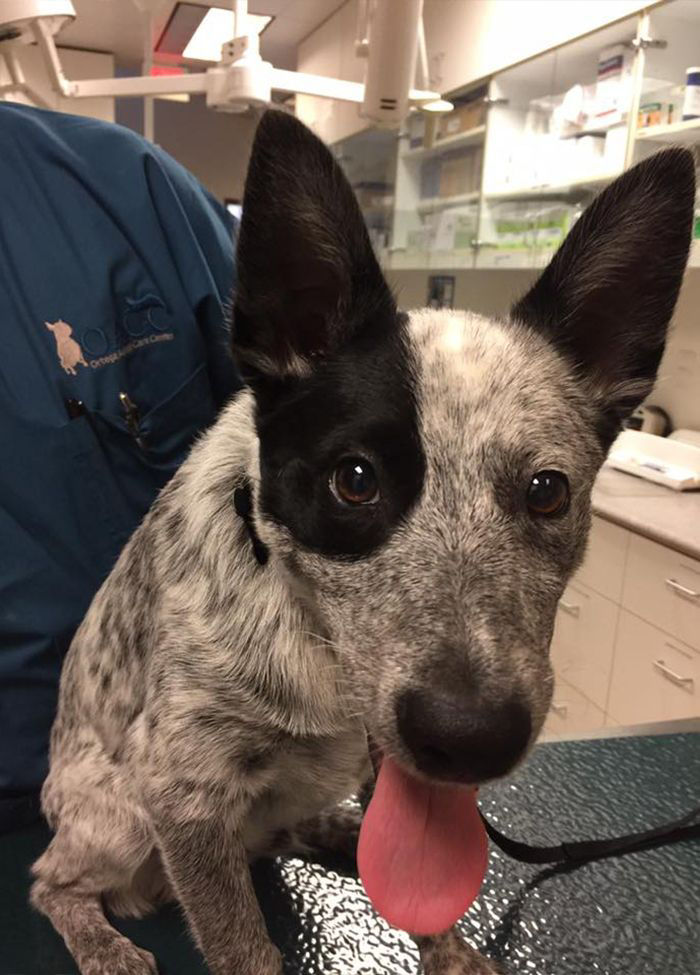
(69, 352)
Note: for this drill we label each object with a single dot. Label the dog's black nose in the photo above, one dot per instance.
(458, 737)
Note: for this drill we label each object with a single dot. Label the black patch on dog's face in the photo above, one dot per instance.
(321, 344)
(360, 402)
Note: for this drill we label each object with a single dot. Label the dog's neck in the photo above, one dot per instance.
(263, 609)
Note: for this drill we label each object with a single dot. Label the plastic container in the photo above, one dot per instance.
(691, 99)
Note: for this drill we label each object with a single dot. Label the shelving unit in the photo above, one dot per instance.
(556, 130)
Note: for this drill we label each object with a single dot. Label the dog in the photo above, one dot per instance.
(418, 487)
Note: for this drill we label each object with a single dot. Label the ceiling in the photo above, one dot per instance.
(117, 26)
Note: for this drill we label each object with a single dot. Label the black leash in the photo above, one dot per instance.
(585, 851)
(243, 503)
(687, 828)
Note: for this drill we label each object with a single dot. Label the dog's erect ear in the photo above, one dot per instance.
(308, 280)
(607, 296)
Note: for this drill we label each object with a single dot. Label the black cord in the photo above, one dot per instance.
(243, 504)
(585, 851)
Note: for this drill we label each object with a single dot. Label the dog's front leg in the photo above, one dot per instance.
(449, 954)
(208, 868)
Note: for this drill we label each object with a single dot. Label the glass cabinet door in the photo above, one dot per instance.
(369, 161)
(669, 103)
(557, 134)
(438, 180)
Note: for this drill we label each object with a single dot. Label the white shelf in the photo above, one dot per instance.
(468, 138)
(679, 133)
(596, 128)
(571, 188)
(432, 203)
(434, 261)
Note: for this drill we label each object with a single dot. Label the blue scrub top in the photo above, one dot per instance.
(116, 267)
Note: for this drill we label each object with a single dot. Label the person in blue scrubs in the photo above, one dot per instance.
(116, 268)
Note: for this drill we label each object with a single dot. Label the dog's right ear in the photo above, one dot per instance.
(308, 280)
(607, 297)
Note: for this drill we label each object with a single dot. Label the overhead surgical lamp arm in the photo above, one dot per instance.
(18, 83)
(241, 79)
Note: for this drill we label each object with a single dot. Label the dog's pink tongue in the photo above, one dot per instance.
(422, 851)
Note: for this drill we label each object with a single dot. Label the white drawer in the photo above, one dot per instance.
(655, 677)
(583, 642)
(663, 587)
(571, 713)
(603, 568)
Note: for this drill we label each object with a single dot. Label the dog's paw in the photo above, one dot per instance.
(263, 960)
(121, 959)
(449, 954)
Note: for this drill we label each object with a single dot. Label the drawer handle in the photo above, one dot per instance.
(571, 608)
(682, 590)
(560, 709)
(687, 683)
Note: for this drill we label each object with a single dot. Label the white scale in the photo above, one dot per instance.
(673, 461)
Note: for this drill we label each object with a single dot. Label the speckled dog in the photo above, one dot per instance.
(421, 484)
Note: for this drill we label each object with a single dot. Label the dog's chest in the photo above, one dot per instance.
(305, 777)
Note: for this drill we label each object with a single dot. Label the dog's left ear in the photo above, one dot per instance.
(308, 280)
(606, 298)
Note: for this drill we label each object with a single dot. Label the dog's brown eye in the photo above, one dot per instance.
(355, 482)
(548, 493)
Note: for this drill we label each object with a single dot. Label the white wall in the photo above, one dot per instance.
(492, 292)
(78, 66)
(330, 51)
(215, 146)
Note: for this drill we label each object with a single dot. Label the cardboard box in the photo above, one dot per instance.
(613, 81)
(460, 171)
(469, 115)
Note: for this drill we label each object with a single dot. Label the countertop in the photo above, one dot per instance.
(669, 517)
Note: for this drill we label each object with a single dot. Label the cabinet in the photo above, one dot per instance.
(499, 182)
(626, 645)
(674, 29)
(369, 162)
(556, 135)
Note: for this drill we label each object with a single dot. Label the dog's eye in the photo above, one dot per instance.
(548, 493)
(354, 481)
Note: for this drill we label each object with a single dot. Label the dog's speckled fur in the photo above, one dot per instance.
(212, 710)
